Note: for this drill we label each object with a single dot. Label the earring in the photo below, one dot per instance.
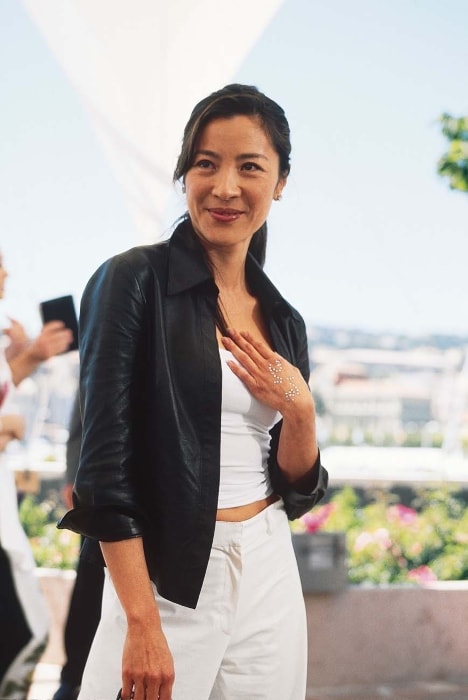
(183, 188)
(277, 197)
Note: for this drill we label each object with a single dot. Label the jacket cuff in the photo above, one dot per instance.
(102, 524)
(297, 501)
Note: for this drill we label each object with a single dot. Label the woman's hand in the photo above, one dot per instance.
(18, 338)
(53, 339)
(267, 375)
(11, 428)
(147, 665)
(275, 382)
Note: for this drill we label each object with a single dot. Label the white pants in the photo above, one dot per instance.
(246, 638)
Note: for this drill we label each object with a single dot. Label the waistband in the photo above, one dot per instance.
(238, 533)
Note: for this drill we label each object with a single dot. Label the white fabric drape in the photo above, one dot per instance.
(139, 68)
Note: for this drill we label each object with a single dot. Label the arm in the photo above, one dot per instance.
(295, 467)
(53, 339)
(280, 385)
(11, 428)
(147, 662)
(106, 504)
(297, 446)
(18, 339)
(73, 452)
(106, 500)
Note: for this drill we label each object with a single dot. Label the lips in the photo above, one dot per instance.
(225, 215)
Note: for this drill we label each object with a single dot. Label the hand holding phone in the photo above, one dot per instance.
(61, 309)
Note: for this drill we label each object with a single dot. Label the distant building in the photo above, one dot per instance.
(381, 396)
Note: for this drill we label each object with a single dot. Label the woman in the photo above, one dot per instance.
(24, 619)
(199, 434)
(23, 615)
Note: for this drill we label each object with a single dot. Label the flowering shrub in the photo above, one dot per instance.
(388, 542)
(51, 547)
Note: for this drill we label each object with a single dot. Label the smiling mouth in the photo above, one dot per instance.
(225, 214)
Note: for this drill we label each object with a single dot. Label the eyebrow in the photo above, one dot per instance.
(241, 156)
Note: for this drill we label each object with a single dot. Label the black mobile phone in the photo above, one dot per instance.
(61, 309)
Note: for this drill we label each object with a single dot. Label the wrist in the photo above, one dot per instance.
(299, 411)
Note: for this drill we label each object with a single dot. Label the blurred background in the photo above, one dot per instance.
(369, 242)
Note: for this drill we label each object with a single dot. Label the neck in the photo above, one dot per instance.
(228, 271)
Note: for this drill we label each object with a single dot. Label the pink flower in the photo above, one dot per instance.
(422, 574)
(402, 514)
(316, 519)
(380, 537)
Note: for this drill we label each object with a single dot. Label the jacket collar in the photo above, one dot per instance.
(187, 263)
(188, 268)
(263, 288)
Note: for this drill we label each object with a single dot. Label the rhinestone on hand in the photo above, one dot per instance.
(276, 371)
(293, 391)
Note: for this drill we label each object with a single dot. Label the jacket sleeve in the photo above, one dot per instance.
(73, 442)
(296, 502)
(111, 320)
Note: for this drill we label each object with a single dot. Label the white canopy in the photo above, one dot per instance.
(139, 67)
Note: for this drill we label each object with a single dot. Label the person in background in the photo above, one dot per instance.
(23, 614)
(84, 610)
(24, 355)
(199, 437)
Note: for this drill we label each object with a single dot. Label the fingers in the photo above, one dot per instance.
(16, 328)
(148, 668)
(54, 339)
(147, 690)
(254, 355)
(267, 375)
(52, 326)
(246, 342)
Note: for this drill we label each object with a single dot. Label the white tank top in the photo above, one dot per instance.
(245, 441)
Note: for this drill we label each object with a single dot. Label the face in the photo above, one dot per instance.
(232, 182)
(3, 276)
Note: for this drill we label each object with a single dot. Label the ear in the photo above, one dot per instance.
(280, 185)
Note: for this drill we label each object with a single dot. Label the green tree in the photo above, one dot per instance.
(454, 163)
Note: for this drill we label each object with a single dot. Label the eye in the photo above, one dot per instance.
(203, 164)
(250, 167)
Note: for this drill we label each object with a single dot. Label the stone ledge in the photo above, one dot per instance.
(369, 634)
(360, 636)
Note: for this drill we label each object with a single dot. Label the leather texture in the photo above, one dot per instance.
(150, 391)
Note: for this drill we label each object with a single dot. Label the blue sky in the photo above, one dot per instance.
(367, 235)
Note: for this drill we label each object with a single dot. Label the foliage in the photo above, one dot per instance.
(389, 542)
(51, 547)
(454, 163)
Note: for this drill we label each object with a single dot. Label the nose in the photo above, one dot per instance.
(226, 184)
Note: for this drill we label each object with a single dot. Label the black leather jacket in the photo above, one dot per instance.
(151, 406)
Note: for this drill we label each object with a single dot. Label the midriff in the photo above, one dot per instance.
(239, 513)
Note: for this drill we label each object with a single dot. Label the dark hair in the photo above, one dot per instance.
(231, 101)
